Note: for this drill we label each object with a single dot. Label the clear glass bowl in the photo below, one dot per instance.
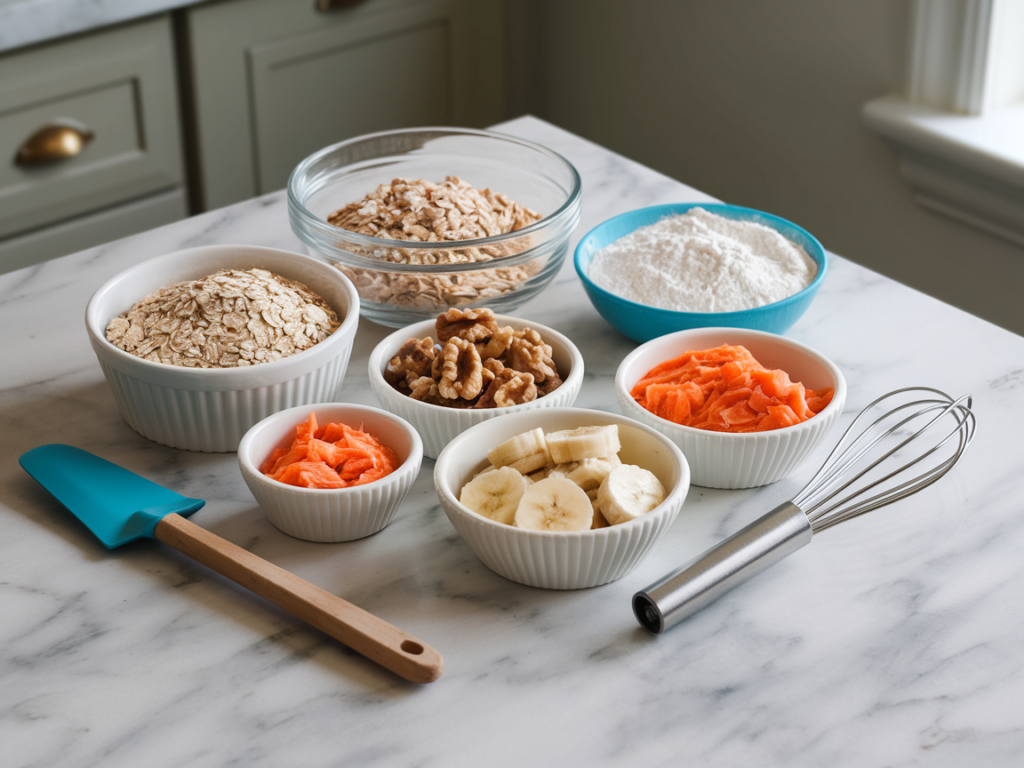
(396, 293)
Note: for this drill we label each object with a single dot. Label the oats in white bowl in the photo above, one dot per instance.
(228, 319)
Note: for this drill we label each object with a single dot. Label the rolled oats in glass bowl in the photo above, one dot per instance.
(426, 219)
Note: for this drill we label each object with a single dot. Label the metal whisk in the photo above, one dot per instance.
(918, 438)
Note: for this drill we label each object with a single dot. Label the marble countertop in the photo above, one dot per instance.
(24, 22)
(894, 639)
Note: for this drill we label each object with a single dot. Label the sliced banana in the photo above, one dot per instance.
(496, 494)
(590, 473)
(526, 452)
(557, 470)
(628, 492)
(599, 521)
(540, 474)
(554, 504)
(583, 443)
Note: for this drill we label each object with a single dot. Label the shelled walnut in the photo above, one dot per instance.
(509, 387)
(473, 325)
(461, 370)
(476, 364)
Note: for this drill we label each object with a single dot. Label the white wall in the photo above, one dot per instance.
(758, 103)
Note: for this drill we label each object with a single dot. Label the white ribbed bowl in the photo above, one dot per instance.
(330, 514)
(561, 560)
(724, 460)
(437, 424)
(210, 409)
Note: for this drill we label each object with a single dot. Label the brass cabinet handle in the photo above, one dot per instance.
(52, 142)
(336, 5)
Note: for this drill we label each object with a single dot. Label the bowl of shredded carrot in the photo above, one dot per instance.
(331, 471)
(745, 407)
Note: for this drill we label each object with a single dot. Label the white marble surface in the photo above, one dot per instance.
(892, 640)
(24, 22)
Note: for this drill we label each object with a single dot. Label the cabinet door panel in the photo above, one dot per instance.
(316, 89)
(119, 84)
(274, 80)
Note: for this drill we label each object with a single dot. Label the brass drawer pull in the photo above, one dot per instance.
(52, 142)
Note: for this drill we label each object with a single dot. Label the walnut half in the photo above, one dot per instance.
(461, 371)
(529, 353)
(509, 387)
(411, 362)
(473, 325)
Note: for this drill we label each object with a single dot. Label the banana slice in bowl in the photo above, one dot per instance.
(554, 504)
(595, 493)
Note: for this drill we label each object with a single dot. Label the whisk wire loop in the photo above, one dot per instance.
(846, 457)
(896, 493)
(819, 499)
(849, 457)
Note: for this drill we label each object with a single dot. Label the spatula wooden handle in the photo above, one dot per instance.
(361, 631)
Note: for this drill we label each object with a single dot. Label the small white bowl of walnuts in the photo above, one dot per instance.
(467, 366)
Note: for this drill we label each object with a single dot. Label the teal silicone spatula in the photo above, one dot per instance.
(119, 506)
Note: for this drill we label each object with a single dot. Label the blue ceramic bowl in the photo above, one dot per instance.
(643, 323)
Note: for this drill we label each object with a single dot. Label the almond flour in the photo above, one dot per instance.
(701, 262)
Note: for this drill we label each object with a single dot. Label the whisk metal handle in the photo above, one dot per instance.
(708, 576)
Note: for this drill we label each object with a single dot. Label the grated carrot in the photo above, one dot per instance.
(332, 456)
(726, 389)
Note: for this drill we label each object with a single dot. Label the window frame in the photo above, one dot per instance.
(958, 128)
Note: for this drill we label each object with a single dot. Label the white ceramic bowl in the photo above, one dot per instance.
(437, 424)
(210, 409)
(561, 560)
(725, 460)
(330, 514)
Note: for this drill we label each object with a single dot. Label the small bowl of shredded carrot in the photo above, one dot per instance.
(745, 407)
(331, 471)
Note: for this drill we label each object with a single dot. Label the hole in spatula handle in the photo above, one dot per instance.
(412, 647)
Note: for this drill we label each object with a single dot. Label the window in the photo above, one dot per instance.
(959, 127)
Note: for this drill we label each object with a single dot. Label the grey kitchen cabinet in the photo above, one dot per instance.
(114, 95)
(216, 101)
(274, 80)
